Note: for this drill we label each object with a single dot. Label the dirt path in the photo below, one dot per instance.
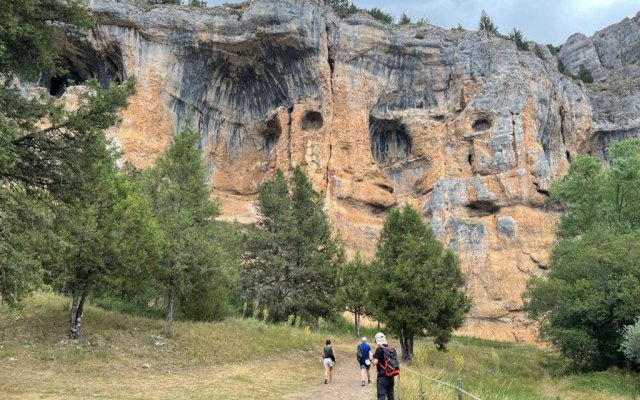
(346, 383)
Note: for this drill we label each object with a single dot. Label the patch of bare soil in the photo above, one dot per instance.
(346, 383)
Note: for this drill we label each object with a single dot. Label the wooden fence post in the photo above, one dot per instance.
(459, 388)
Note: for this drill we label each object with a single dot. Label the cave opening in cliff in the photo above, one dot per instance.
(271, 134)
(483, 208)
(58, 83)
(312, 120)
(106, 66)
(481, 124)
(390, 140)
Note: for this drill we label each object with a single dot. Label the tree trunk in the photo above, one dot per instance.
(75, 317)
(406, 343)
(170, 303)
(356, 318)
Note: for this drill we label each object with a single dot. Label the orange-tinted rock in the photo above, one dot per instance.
(460, 124)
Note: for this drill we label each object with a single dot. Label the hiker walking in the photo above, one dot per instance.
(364, 356)
(328, 360)
(385, 359)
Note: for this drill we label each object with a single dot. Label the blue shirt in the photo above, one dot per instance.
(365, 351)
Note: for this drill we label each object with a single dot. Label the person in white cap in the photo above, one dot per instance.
(385, 359)
(364, 356)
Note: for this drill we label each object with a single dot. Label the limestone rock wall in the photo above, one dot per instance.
(460, 124)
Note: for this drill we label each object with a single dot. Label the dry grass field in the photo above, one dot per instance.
(127, 357)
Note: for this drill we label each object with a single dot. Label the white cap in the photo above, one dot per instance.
(380, 339)
(364, 338)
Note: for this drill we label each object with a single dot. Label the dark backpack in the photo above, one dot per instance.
(391, 366)
(359, 353)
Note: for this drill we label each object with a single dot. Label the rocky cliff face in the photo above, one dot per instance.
(460, 124)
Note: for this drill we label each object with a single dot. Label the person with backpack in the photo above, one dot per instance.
(363, 355)
(385, 359)
(328, 360)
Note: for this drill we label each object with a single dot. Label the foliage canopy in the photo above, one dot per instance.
(416, 285)
(593, 285)
(291, 257)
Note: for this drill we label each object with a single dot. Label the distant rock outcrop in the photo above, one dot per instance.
(460, 124)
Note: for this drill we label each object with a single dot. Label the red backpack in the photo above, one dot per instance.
(391, 366)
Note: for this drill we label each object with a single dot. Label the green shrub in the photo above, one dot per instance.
(380, 15)
(554, 49)
(343, 8)
(404, 19)
(138, 305)
(517, 36)
(590, 293)
(631, 342)
(584, 74)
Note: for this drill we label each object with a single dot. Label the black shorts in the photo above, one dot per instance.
(363, 366)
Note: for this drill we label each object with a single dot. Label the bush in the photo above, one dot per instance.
(588, 297)
(554, 49)
(208, 300)
(404, 19)
(584, 74)
(517, 36)
(631, 342)
(343, 8)
(380, 15)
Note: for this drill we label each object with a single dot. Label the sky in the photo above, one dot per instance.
(545, 21)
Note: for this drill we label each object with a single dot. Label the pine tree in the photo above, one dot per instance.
(291, 257)
(517, 36)
(180, 197)
(39, 140)
(486, 24)
(353, 279)
(416, 285)
(102, 227)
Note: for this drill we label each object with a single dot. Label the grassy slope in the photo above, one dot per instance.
(241, 359)
(494, 370)
(232, 360)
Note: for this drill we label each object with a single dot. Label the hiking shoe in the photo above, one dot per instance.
(369, 381)
(362, 383)
(325, 381)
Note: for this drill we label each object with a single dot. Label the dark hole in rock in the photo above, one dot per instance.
(58, 85)
(271, 134)
(312, 120)
(481, 124)
(470, 159)
(483, 207)
(568, 155)
(438, 117)
(390, 140)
